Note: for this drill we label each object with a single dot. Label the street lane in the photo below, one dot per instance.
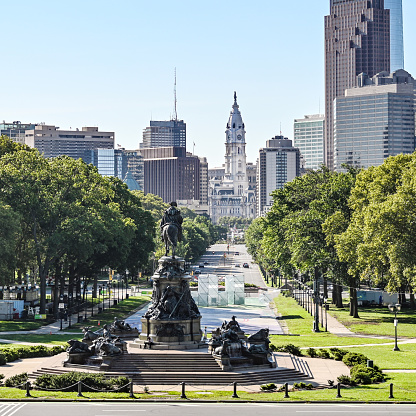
(203, 409)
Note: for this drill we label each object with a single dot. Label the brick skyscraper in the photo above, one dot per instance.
(357, 39)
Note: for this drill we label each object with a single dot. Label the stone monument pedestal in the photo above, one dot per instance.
(173, 320)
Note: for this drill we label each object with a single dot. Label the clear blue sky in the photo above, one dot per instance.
(111, 64)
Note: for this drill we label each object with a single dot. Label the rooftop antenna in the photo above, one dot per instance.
(175, 114)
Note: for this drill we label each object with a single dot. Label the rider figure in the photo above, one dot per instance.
(172, 216)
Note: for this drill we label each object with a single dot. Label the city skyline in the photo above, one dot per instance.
(77, 64)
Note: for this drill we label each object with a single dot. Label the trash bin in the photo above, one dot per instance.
(100, 309)
(127, 295)
(79, 318)
(115, 302)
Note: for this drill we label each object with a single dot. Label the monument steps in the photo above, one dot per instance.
(170, 369)
(278, 376)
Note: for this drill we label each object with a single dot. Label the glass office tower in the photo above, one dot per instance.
(357, 39)
(396, 34)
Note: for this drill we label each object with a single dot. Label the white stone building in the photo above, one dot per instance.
(231, 194)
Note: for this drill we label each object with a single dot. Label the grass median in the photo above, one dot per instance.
(403, 389)
(300, 322)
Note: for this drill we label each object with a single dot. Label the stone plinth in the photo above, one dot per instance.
(173, 318)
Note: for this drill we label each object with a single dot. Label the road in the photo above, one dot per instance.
(222, 266)
(201, 409)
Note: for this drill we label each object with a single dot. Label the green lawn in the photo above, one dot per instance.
(122, 310)
(19, 325)
(56, 339)
(404, 390)
(377, 321)
(300, 322)
(386, 358)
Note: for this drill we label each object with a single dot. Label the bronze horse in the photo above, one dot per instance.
(170, 238)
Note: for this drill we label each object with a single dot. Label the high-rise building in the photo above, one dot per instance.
(171, 175)
(164, 134)
(357, 40)
(135, 166)
(16, 130)
(203, 180)
(231, 195)
(375, 120)
(78, 144)
(278, 163)
(309, 139)
(396, 34)
(110, 162)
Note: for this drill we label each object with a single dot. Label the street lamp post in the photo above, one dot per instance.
(326, 315)
(395, 308)
(316, 301)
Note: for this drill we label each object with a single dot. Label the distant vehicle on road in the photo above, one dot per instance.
(197, 272)
(205, 262)
(246, 265)
(236, 253)
(237, 265)
(201, 265)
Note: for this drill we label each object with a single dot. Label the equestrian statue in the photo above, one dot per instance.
(171, 228)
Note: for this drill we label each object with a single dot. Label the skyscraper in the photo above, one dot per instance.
(164, 134)
(357, 39)
(396, 34)
(309, 139)
(375, 120)
(278, 163)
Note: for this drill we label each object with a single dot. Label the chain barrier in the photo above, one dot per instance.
(407, 390)
(60, 389)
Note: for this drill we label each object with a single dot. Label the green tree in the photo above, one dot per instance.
(9, 236)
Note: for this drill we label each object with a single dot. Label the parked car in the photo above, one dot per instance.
(197, 271)
(236, 253)
(201, 265)
(246, 265)
(205, 262)
(237, 265)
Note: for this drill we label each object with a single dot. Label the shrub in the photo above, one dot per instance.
(16, 380)
(289, 348)
(68, 382)
(323, 353)
(353, 358)
(1, 378)
(268, 387)
(346, 380)
(9, 354)
(311, 352)
(338, 354)
(303, 385)
(362, 374)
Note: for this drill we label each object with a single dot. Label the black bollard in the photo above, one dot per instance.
(28, 389)
(183, 395)
(80, 389)
(131, 390)
(391, 391)
(286, 396)
(338, 390)
(235, 396)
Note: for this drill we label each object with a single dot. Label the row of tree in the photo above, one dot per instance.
(352, 227)
(61, 218)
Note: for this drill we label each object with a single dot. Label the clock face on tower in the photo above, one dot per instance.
(239, 136)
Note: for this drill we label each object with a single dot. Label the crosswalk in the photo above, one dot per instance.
(9, 409)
